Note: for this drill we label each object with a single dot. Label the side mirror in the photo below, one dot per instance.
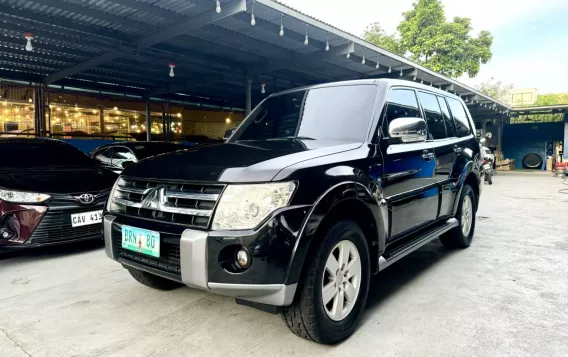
(126, 163)
(228, 134)
(409, 130)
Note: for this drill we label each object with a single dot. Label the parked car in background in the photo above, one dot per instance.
(50, 193)
(115, 157)
(318, 189)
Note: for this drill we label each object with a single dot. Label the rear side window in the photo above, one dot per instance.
(402, 103)
(450, 125)
(436, 125)
(460, 117)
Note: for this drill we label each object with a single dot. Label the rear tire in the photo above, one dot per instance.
(153, 281)
(461, 236)
(490, 180)
(329, 323)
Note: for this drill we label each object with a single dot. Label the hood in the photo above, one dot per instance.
(59, 180)
(246, 161)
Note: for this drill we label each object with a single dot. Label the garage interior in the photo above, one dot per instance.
(184, 71)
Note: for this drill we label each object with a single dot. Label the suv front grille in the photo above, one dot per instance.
(190, 204)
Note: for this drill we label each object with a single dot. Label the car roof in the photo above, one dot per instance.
(16, 140)
(388, 82)
(134, 144)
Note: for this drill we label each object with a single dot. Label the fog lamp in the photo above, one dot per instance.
(243, 258)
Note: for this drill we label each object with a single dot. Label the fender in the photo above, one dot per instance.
(468, 168)
(346, 192)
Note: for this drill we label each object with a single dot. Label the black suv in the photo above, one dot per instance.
(317, 190)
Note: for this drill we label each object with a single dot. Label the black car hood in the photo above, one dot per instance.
(248, 161)
(59, 180)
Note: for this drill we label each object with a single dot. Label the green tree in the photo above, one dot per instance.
(375, 34)
(495, 89)
(427, 38)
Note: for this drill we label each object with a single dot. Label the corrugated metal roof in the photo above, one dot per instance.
(216, 56)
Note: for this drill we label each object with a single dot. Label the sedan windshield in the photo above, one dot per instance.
(339, 113)
(36, 154)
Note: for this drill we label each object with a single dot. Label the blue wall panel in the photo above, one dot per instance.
(522, 139)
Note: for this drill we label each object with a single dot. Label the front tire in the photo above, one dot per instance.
(153, 281)
(461, 236)
(333, 292)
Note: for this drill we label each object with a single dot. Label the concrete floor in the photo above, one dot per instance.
(507, 295)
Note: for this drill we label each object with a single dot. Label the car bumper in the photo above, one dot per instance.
(31, 245)
(199, 255)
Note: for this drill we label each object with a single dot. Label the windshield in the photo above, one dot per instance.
(42, 154)
(338, 113)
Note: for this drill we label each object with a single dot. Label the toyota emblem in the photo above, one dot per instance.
(86, 198)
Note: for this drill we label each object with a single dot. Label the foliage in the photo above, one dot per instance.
(425, 37)
(543, 100)
(495, 89)
(375, 34)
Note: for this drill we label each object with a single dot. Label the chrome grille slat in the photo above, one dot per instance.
(192, 196)
(190, 204)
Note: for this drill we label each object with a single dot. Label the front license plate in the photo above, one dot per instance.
(86, 218)
(141, 241)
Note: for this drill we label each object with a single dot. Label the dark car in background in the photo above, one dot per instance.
(50, 193)
(115, 157)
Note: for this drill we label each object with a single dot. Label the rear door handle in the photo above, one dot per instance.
(457, 149)
(426, 155)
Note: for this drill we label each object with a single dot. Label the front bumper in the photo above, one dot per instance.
(193, 256)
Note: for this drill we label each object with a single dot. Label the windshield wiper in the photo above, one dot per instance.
(293, 138)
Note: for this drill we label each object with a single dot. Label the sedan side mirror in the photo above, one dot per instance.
(228, 134)
(409, 130)
(126, 163)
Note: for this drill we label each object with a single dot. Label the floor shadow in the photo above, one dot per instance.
(404, 271)
(23, 255)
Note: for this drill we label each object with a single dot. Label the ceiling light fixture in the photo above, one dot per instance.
(327, 41)
(282, 25)
(172, 66)
(218, 7)
(29, 36)
(252, 19)
(390, 69)
(263, 87)
(400, 75)
(306, 40)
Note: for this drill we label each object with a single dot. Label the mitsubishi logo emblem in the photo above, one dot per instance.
(86, 198)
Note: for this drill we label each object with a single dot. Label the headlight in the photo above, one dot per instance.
(22, 197)
(245, 206)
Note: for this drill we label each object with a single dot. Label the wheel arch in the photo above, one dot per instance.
(351, 201)
(469, 177)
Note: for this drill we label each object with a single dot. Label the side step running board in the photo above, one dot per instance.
(391, 257)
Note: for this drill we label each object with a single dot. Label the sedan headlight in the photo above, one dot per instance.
(22, 197)
(245, 206)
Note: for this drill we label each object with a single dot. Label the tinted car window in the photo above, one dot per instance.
(450, 125)
(105, 156)
(32, 153)
(436, 126)
(402, 103)
(460, 117)
(337, 113)
(121, 154)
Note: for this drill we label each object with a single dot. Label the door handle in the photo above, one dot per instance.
(457, 149)
(426, 155)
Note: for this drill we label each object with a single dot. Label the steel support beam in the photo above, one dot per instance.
(148, 120)
(248, 96)
(192, 23)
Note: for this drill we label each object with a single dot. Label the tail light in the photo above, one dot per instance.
(17, 222)
(484, 161)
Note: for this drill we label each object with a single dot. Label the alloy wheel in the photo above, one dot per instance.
(467, 215)
(341, 280)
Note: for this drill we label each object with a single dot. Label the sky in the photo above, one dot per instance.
(530, 46)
